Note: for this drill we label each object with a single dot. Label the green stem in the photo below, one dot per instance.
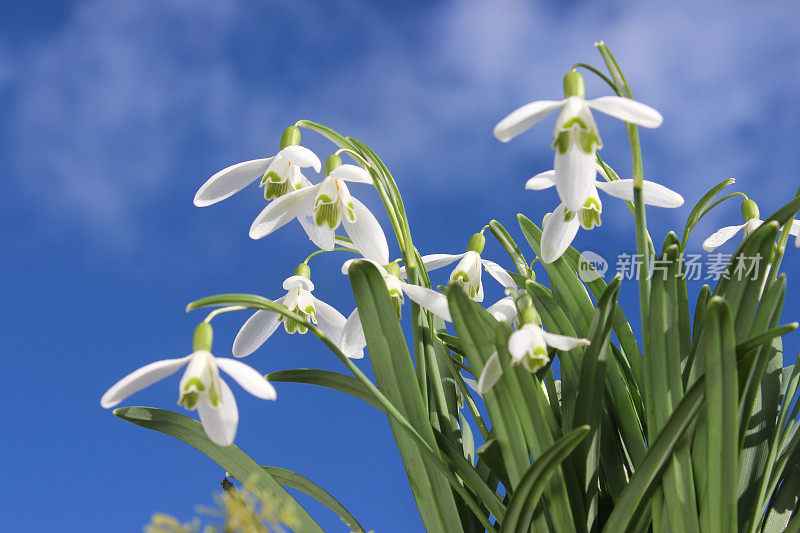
(642, 247)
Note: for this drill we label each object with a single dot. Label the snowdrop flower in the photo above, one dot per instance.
(575, 137)
(322, 208)
(527, 346)
(750, 214)
(263, 323)
(353, 335)
(279, 174)
(562, 225)
(467, 272)
(201, 386)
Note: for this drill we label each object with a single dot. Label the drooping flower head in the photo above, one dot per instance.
(279, 174)
(561, 226)
(322, 208)
(201, 387)
(467, 272)
(752, 220)
(575, 137)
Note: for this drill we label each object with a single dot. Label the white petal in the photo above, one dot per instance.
(520, 343)
(628, 110)
(366, 234)
(543, 180)
(301, 156)
(654, 193)
(346, 266)
(293, 282)
(492, 371)
(255, 331)
(471, 383)
(323, 236)
(351, 173)
(575, 176)
(433, 301)
(329, 320)
(434, 261)
(795, 228)
(281, 211)
(523, 118)
(562, 342)
(353, 340)
(141, 378)
(249, 378)
(499, 273)
(229, 181)
(721, 236)
(504, 309)
(220, 422)
(558, 235)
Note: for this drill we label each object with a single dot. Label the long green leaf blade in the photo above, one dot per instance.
(231, 458)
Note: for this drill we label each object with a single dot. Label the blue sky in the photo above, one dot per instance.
(114, 112)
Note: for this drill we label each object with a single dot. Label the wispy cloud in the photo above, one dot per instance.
(129, 102)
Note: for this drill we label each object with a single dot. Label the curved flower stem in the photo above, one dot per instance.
(318, 252)
(599, 74)
(642, 247)
(256, 302)
(221, 310)
(611, 175)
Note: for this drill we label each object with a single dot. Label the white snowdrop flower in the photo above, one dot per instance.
(201, 386)
(562, 225)
(263, 323)
(323, 207)
(279, 174)
(750, 214)
(575, 137)
(467, 272)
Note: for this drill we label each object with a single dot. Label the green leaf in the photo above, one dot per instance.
(523, 503)
(664, 385)
(294, 480)
(395, 375)
(328, 379)
(699, 209)
(231, 458)
(648, 475)
(511, 248)
(718, 508)
(588, 407)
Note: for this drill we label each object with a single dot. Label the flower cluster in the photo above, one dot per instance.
(576, 141)
(324, 207)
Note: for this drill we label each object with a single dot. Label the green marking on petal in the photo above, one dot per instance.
(589, 140)
(351, 212)
(561, 142)
(574, 121)
(568, 215)
(327, 212)
(274, 187)
(194, 382)
(189, 400)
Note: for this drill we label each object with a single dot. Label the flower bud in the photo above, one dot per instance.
(573, 84)
(750, 210)
(291, 136)
(332, 162)
(476, 243)
(303, 270)
(203, 335)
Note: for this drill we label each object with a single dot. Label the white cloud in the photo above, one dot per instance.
(108, 107)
